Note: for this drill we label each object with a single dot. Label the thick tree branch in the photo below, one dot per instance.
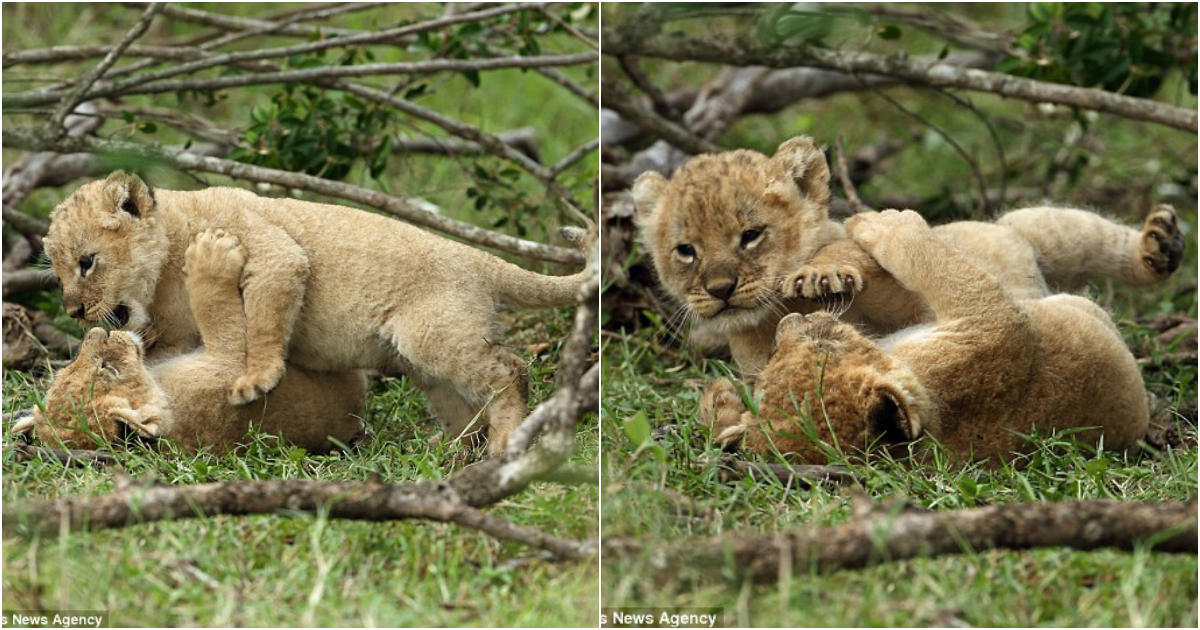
(405, 209)
(885, 535)
(744, 52)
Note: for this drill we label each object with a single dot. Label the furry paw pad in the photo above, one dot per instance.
(215, 252)
(1162, 241)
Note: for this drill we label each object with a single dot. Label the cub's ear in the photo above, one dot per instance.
(803, 163)
(647, 191)
(888, 415)
(129, 195)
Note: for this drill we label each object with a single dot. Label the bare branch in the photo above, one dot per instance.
(575, 156)
(67, 457)
(27, 281)
(619, 100)
(406, 209)
(307, 75)
(888, 535)
(742, 52)
(85, 84)
(843, 175)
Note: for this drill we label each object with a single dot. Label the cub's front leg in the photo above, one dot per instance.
(213, 266)
(274, 282)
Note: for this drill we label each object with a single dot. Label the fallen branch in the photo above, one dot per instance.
(67, 457)
(884, 536)
(746, 52)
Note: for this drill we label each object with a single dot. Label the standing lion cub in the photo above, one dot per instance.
(109, 391)
(742, 239)
(989, 368)
(327, 288)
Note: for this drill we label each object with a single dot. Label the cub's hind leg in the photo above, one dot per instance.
(464, 373)
(1075, 246)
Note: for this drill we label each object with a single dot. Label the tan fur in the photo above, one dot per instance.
(988, 368)
(108, 388)
(330, 288)
(802, 262)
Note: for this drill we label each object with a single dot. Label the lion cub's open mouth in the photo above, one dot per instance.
(119, 316)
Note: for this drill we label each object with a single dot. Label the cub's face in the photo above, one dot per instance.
(826, 381)
(727, 227)
(107, 248)
(80, 404)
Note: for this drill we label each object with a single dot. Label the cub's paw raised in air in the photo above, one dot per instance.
(214, 253)
(1162, 242)
(816, 282)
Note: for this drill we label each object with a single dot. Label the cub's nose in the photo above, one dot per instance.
(721, 289)
(74, 308)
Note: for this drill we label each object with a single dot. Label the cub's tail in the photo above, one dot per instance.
(521, 287)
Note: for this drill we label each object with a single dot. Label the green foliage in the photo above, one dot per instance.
(319, 132)
(1120, 47)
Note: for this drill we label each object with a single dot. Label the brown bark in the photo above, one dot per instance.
(885, 536)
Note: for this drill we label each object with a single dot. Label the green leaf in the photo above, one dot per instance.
(147, 127)
(637, 429)
(890, 31)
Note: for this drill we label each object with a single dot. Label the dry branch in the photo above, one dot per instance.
(885, 536)
(744, 52)
(406, 209)
(67, 457)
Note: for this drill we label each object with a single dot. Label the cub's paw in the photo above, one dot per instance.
(1162, 242)
(214, 253)
(816, 282)
(875, 232)
(254, 384)
(721, 408)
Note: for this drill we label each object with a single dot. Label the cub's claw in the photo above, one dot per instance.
(1162, 241)
(250, 387)
(815, 282)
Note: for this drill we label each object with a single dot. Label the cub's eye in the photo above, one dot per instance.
(686, 251)
(85, 263)
(749, 237)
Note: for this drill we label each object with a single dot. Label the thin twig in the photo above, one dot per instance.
(574, 157)
(843, 174)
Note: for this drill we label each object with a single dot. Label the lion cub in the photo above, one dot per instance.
(741, 240)
(329, 288)
(989, 367)
(108, 391)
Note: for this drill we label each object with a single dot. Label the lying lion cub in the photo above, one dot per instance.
(989, 367)
(740, 240)
(108, 391)
(328, 288)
